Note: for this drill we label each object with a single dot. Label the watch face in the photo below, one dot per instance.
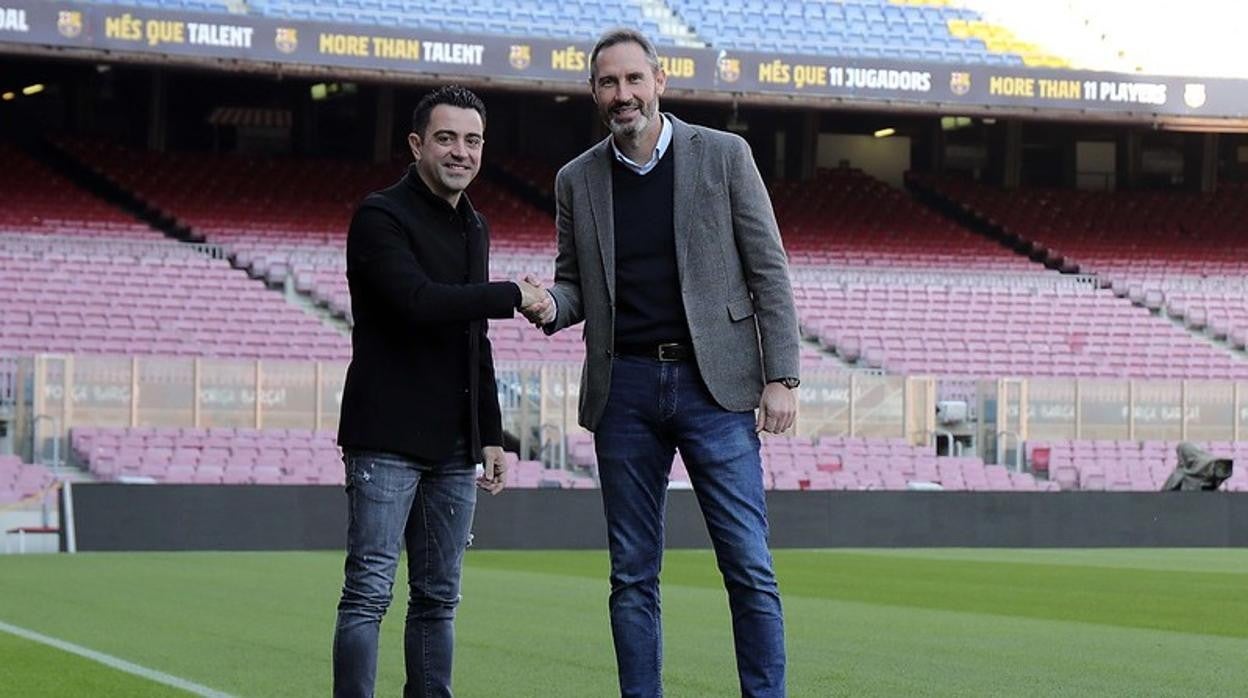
(789, 383)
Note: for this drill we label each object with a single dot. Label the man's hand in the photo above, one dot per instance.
(531, 293)
(538, 306)
(777, 409)
(493, 480)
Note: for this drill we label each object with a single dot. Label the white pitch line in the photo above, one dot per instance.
(114, 662)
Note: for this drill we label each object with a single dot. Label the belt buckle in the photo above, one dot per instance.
(664, 356)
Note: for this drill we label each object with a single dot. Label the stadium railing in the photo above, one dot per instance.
(942, 277)
(200, 392)
(138, 249)
(540, 398)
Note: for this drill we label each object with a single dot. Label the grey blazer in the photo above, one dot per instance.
(733, 269)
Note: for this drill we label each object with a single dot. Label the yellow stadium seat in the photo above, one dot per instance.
(999, 39)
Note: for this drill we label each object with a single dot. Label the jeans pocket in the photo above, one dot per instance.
(378, 479)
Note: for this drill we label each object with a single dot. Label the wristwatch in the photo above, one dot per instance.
(788, 381)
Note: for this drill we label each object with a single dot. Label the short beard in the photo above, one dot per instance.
(633, 130)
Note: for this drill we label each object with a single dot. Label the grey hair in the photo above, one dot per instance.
(623, 35)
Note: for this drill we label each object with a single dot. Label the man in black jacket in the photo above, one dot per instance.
(420, 406)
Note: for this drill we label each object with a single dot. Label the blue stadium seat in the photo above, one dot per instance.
(844, 27)
(823, 27)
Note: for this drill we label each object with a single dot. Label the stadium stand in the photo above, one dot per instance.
(1121, 35)
(581, 19)
(209, 455)
(855, 463)
(534, 175)
(34, 200)
(19, 481)
(873, 270)
(160, 298)
(280, 217)
(1125, 465)
(247, 456)
(880, 280)
(294, 456)
(260, 210)
(873, 29)
(288, 217)
(1083, 34)
(887, 283)
(1004, 331)
(860, 29)
(844, 218)
(1181, 253)
(1125, 237)
(80, 276)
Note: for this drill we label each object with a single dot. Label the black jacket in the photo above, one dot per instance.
(421, 373)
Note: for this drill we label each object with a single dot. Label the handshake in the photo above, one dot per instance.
(536, 303)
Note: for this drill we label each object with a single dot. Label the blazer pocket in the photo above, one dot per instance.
(739, 310)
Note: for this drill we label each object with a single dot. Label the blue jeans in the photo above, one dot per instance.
(655, 408)
(428, 505)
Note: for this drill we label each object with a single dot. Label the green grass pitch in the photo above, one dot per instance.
(860, 623)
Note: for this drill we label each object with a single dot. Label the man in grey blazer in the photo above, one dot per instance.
(670, 253)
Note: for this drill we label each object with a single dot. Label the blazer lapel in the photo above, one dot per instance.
(687, 151)
(598, 180)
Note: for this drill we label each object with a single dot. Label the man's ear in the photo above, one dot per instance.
(413, 142)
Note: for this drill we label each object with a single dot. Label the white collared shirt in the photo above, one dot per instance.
(665, 139)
